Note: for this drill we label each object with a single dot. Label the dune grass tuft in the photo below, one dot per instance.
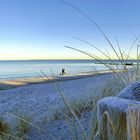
(16, 131)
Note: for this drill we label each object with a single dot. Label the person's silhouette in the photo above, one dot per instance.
(63, 71)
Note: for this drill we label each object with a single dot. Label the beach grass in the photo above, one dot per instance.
(79, 109)
(16, 131)
(112, 87)
(87, 109)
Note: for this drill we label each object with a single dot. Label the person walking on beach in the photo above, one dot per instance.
(63, 71)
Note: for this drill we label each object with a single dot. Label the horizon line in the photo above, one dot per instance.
(60, 59)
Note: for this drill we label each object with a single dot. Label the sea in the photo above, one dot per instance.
(35, 68)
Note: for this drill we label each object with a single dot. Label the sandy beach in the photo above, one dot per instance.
(38, 101)
(13, 83)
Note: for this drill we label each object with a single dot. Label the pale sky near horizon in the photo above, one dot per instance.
(39, 29)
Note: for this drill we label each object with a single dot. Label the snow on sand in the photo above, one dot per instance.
(39, 100)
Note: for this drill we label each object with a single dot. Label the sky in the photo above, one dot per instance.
(39, 29)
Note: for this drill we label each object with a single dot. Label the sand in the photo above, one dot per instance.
(13, 83)
(38, 101)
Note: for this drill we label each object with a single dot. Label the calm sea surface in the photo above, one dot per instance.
(19, 69)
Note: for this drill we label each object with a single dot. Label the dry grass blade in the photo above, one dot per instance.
(93, 56)
(131, 48)
(10, 136)
(44, 75)
(94, 47)
(94, 23)
(19, 118)
(41, 76)
(111, 123)
(70, 108)
(121, 54)
(135, 36)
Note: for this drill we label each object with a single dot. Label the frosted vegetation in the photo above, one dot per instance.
(81, 115)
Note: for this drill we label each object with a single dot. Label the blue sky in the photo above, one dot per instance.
(39, 29)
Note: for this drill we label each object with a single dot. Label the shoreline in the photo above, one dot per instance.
(14, 83)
